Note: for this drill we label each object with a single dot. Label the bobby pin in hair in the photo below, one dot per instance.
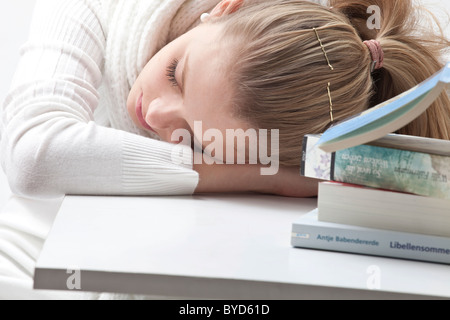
(323, 49)
(331, 103)
(331, 68)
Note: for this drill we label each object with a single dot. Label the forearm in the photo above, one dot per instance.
(227, 178)
(91, 160)
(248, 178)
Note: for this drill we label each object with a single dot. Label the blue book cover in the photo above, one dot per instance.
(387, 117)
(310, 233)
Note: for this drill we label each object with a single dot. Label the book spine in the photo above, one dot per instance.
(380, 167)
(333, 237)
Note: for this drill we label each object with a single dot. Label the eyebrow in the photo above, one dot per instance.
(184, 73)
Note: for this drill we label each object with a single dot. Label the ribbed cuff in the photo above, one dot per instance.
(152, 167)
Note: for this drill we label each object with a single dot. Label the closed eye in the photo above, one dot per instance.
(170, 72)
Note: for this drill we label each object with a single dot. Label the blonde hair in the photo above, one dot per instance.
(280, 73)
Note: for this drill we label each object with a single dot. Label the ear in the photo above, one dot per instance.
(226, 7)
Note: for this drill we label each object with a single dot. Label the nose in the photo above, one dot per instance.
(165, 117)
(161, 115)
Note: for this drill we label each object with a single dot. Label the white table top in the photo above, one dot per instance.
(215, 246)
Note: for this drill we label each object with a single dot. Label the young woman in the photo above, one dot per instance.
(103, 85)
(252, 64)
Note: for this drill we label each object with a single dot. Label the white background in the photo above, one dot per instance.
(14, 25)
(15, 17)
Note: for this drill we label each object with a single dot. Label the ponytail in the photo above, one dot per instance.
(411, 55)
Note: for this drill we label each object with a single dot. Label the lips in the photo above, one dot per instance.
(140, 116)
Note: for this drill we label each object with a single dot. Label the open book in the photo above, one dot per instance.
(386, 117)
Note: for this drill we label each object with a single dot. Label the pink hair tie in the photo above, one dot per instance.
(376, 53)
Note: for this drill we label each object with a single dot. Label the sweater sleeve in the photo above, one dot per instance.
(50, 144)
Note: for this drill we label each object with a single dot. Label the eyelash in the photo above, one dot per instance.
(170, 72)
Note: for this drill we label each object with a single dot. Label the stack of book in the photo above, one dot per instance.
(386, 195)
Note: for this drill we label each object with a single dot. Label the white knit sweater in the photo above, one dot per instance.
(64, 126)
